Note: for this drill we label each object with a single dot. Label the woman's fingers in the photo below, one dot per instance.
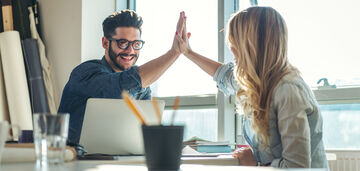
(237, 153)
(244, 156)
(184, 28)
(180, 24)
(240, 152)
(181, 37)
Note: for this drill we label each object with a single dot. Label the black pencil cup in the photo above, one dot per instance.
(163, 146)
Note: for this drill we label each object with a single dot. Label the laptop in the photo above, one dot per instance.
(111, 128)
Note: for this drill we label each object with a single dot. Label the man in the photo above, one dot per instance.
(115, 72)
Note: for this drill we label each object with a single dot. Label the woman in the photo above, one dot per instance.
(283, 123)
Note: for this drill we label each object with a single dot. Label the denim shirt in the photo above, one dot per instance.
(295, 123)
(96, 79)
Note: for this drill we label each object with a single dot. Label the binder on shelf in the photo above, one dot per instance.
(46, 67)
(38, 99)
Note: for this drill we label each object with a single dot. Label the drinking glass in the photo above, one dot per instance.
(50, 135)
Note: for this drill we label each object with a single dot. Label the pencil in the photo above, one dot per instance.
(175, 107)
(133, 107)
(156, 108)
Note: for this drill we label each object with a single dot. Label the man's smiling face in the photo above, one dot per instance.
(123, 59)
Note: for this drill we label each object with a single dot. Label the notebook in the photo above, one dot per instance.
(111, 128)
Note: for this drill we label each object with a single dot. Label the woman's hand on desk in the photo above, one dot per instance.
(245, 156)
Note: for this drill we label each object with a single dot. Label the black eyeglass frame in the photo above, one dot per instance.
(129, 42)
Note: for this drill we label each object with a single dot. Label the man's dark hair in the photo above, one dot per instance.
(124, 18)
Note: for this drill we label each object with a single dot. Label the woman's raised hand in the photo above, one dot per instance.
(181, 42)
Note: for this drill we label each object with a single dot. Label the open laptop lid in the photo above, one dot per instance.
(110, 127)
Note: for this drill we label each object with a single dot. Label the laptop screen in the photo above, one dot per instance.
(110, 127)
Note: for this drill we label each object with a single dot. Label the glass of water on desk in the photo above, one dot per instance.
(50, 135)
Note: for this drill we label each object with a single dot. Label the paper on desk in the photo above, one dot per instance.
(191, 156)
(190, 152)
(187, 150)
(198, 141)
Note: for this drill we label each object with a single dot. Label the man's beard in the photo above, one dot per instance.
(113, 57)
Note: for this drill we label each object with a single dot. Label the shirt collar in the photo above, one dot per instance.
(106, 64)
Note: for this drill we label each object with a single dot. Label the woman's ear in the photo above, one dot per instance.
(105, 42)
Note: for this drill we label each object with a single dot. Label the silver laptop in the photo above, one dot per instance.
(110, 127)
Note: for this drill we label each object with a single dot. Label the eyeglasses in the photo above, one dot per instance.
(124, 44)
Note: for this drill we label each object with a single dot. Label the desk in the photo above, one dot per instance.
(129, 163)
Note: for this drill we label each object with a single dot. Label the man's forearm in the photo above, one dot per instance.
(152, 70)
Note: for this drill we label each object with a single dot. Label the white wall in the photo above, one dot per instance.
(72, 31)
(61, 30)
(93, 14)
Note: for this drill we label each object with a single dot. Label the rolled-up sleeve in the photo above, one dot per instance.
(93, 81)
(293, 125)
(225, 80)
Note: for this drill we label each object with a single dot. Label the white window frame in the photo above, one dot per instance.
(337, 95)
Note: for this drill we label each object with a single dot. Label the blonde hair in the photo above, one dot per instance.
(258, 38)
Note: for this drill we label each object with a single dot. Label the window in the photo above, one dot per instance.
(184, 78)
(341, 122)
(199, 122)
(323, 38)
(323, 43)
